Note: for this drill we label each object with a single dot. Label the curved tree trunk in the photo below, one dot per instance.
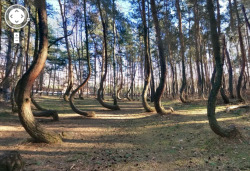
(184, 80)
(162, 86)
(74, 108)
(146, 106)
(70, 69)
(101, 89)
(243, 54)
(24, 86)
(44, 112)
(214, 125)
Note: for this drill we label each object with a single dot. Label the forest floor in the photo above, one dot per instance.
(130, 139)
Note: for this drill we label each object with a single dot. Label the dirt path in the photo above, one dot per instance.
(130, 139)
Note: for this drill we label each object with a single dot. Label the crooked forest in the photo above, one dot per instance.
(125, 85)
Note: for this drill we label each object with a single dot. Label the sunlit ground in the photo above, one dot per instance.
(130, 139)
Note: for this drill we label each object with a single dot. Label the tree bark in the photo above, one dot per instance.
(214, 125)
(0, 25)
(114, 55)
(160, 90)
(121, 84)
(74, 108)
(197, 44)
(230, 69)
(146, 106)
(243, 55)
(24, 86)
(70, 69)
(184, 80)
(231, 16)
(105, 57)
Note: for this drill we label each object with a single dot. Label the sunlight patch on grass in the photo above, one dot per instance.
(11, 128)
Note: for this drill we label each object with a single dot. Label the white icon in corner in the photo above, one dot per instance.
(16, 38)
(17, 16)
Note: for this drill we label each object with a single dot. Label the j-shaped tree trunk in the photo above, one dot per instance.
(243, 54)
(24, 86)
(105, 56)
(70, 69)
(74, 108)
(162, 86)
(146, 106)
(231, 131)
(184, 80)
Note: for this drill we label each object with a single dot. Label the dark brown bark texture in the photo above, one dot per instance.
(243, 55)
(184, 80)
(24, 86)
(214, 125)
(146, 106)
(162, 86)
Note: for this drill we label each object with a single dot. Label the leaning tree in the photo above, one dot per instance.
(104, 20)
(146, 106)
(231, 131)
(74, 108)
(24, 86)
(162, 86)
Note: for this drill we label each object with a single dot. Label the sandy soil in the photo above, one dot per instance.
(129, 139)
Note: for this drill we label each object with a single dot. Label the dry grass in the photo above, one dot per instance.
(130, 139)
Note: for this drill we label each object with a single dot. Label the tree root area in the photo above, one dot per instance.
(131, 139)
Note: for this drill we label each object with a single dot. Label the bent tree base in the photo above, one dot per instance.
(100, 100)
(24, 86)
(67, 92)
(44, 112)
(231, 131)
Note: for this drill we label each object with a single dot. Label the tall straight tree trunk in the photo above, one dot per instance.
(190, 59)
(230, 69)
(231, 15)
(105, 57)
(146, 106)
(214, 125)
(28, 46)
(70, 69)
(0, 25)
(74, 108)
(160, 90)
(121, 78)
(245, 16)
(24, 86)
(222, 91)
(243, 55)
(184, 80)
(114, 55)
(197, 45)
(18, 72)
(7, 82)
